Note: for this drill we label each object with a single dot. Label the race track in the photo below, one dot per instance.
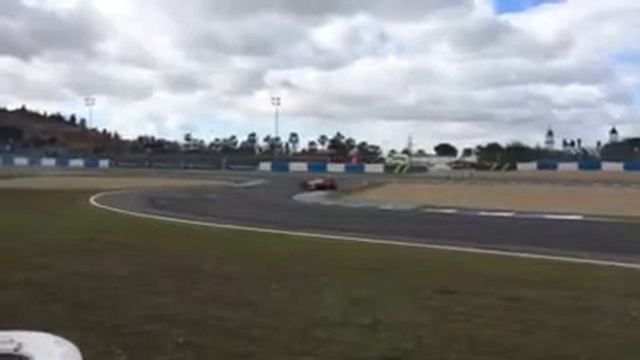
(270, 205)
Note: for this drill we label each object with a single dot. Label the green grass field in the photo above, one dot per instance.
(127, 288)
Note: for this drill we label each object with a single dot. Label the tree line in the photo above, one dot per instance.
(337, 147)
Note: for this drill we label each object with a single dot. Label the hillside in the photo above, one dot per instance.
(26, 131)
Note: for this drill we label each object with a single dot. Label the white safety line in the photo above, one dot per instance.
(523, 255)
(440, 211)
(564, 217)
(397, 207)
(497, 213)
(250, 183)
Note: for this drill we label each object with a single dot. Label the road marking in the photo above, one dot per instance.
(564, 217)
(522, 255)
(397, 207)
(251, 183)
(440, 211)
(497, 213)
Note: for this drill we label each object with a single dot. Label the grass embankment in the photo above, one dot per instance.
(126, 288)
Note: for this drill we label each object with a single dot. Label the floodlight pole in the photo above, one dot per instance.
(90, 102)
(276, 101)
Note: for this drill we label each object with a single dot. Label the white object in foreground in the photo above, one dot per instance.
(37, 346)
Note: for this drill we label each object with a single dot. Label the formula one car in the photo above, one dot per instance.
(320, 184)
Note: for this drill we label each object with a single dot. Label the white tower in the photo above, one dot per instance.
(614, 136)
(550, 140)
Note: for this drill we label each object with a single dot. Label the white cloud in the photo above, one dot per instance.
(440, 69)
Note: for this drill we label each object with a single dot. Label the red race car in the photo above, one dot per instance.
(320, 184)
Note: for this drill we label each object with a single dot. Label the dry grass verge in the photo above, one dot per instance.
(590, 200)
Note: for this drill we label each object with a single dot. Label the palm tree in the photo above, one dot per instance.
(294, 140)
(277, 141)
(250, 144)
(350, 144)
(216, 145)
(232, 142)
(323, 140)
(269, 141)
(252, 139)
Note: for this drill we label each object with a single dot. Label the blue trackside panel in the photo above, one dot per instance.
(34, 161)
(590, 165)
(632, 166)
(317, 167)
(62, 162)
(280, 166)
(91, 163)
(547, 165)
(7, 160)
(354, 168)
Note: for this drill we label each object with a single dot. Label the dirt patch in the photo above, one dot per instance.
(589, 200)
(579, 177)
(575, 176)
(98, 183)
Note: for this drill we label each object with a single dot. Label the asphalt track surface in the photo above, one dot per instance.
(270, 206)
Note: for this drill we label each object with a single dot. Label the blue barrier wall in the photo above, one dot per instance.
(354, 168)
(317, 167)
(62, 162)
(547, 165)
(7, 160)
(91, 163)
(280, 166)
(632, 166)
(592, 165)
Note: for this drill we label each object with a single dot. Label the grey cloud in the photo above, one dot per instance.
(82, 81)
(185, 81)
(390, 9)
(39, 31)
(360, 37)
(519, 71)
(245, 82)
(260, 35)
(11, 8)
(18, 86)
(494, 37)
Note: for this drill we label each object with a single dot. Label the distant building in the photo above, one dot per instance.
(550, 140)
(614, 136)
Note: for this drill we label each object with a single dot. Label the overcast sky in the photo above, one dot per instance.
(465, 71)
